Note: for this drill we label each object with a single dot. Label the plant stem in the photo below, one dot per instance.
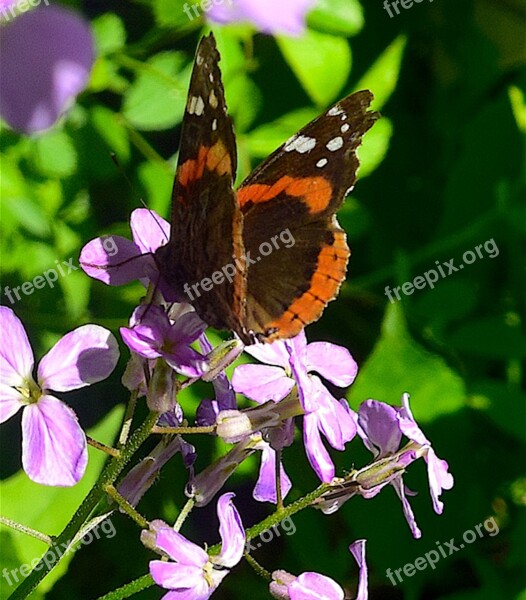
(27, 530)
(126, 506)
(102, 447)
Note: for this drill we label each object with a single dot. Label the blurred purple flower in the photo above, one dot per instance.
(271, 16)
(152, 335)
(313, 586)
(46, 57)
(290, 362)
(194, 575)
(115, 260)
(54, 445)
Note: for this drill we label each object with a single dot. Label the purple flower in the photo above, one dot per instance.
(313, 586)
(152, 335)
(46, 58)
(289, 363)
(271, 16)
(115, 260)
(381, 428)
(194, 575)
(54, 445)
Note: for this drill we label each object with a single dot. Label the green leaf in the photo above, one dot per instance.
(171, 13)
(375, 146)
(156, 100)
(337, 17)
(55, 154)
(157, 179)
(112, 130)
(28, 214)
(398, 364)
(321, 63)
(382, 76)
(110, 33)
(263, 140)
(48, 509)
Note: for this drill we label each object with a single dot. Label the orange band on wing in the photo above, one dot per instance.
(324, 285)
(316, 192)
(215, 158)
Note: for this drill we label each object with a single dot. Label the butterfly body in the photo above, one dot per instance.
(263, 261)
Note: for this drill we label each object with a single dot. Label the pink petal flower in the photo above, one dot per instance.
(265, 489)
(333, 362)
(313, 586)
(271, 16)
(180, 549)
(84, 356)
(261, 382)
(16, 356)
(231, 531)
(11, 401)
(54, 448)
(357, 549)
(47, 56)
(149, 230)
(271, 354)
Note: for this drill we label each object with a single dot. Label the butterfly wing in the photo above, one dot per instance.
(294, 195)
(198, 263)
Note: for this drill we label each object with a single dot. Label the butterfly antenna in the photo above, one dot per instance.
(121, 170)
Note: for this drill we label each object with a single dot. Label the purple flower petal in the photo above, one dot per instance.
(231, 531)
(271, 354)
(54, 448)
(84, 356)
(261, 382)
(171, 575)
(409, 515)
(47, 56)
(333, 362)
(313, 586)
(149, 230)
(11, 401)
(187, 328)
(439, 478)
(16, 356)
(187, 361)
(357, 549)
(115, 260)
(265, 489)
(180, 549)
(379, 423)
(317, 454)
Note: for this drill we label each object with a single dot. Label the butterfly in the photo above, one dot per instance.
(264, 260)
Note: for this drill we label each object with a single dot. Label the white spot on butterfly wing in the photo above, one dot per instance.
(196, 106)
(199, 60)
(300, 143)
(212, 99)
(335, 144)
(322, 162)
(345, 127)
(214, 125)
(335, 111)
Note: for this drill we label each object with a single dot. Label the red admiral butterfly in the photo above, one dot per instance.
(215, 259)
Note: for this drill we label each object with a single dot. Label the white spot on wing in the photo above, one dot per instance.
(335, 144)
(300, 143)
(335, 111)
(214, 124)
(345, 127)
(212, 98)
(199, 60)
(196, 106)
(322, 162)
